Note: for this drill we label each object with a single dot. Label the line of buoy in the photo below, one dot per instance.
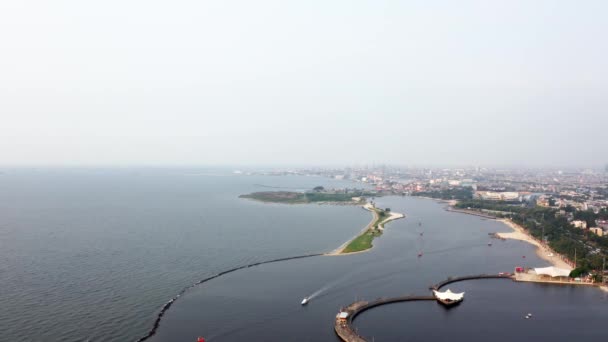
(168, 304)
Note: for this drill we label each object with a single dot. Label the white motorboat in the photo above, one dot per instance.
(305, 301)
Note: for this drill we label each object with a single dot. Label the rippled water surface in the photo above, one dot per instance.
(94, 254)
(263, 303)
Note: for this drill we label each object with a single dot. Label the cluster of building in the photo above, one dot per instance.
(507, 196)
(600, 228)
(567, 190)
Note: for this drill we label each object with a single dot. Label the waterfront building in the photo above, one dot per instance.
(597, 230)
(553, 272)
(579, 224)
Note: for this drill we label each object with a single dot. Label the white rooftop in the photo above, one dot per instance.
(449, 295)
(552, 271)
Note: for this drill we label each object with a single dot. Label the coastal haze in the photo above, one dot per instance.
(269, 170)
(283, 82)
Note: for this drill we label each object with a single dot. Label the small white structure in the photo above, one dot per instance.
(597, 230)
(552, 271)
(343, 315)
(448, 297)
(579, 224)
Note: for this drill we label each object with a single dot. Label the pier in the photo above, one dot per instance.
(534, 278)
(343, 324)
(473, 277)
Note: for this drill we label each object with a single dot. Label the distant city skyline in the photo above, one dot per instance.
(285, 83)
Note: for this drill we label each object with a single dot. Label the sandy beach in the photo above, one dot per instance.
(519, 233)
(393, 216)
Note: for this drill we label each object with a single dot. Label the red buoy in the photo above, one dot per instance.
(200, 339)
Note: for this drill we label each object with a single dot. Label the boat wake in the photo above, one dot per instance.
(327, 287)
(344, 282)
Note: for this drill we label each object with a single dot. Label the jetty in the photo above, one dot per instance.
(343, 323)
(451, 280)
(552, 275)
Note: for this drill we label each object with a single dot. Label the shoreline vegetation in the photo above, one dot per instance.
(319, 197)
(551, 230)
(518, 233)
(557, 241)
(363, 242)
(542, 251)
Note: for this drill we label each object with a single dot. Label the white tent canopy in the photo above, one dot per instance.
(449, 295)
(552, 271)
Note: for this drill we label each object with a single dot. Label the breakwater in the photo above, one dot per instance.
(345, 330)
(168, 304)
(472, 277)
(470, 212)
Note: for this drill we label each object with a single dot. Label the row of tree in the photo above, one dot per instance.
(459, 193)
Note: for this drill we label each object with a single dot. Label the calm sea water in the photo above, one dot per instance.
(93, 255)
(263, 303)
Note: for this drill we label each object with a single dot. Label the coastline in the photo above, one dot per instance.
(518, 233)
(300, 203)
(340, 250)
(542, 251)
(439, 200)
(470, 212)
(394, 216)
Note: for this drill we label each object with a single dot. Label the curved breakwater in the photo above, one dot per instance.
(346, 332)
(168, 304)
(472, 277)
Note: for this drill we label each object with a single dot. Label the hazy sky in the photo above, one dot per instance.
(303, 82)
